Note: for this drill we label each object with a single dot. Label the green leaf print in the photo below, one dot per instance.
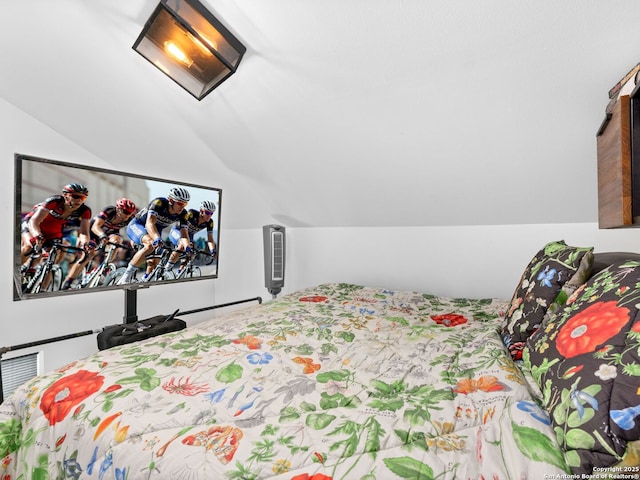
(318, 421)
(416, 416)
(537, 446)
(632, 369)
(346, 336)
(573, 459)
(345, 291)
(41, 472)
(577, 419)
(305, 350)
(199, 343)
(538, 371)
(407, 467)
(10, 432)
(335, 375)
(412, 439)
(242, 472)
(307, 407)
(387, 390)
(29, 438)
(398, 320)
(107, 405)
(327, 348)
(230, 373)
(352, 434)
(577, 439)
(137, 360)
(328, 402)
(145, 377)
(346, 447)
(374, 433)
(391, 405)
(288, 414)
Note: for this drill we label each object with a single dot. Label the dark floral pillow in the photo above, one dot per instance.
(586, 360)
(540, 286)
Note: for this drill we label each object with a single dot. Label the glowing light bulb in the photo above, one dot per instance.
(173, 50)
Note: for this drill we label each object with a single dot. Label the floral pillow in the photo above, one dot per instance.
(555, 266)
(586, 360)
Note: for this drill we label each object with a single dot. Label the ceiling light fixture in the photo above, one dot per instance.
(186, 42)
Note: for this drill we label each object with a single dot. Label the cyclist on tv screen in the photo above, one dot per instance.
(104, 227)
(145, 229)
(45, 223)
(197, 220)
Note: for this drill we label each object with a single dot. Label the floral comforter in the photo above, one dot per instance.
(334, 382)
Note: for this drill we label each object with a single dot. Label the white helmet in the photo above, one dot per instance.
(179, 194)
(208, 205)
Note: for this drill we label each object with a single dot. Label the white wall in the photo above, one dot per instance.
(471, 261)
(32, 320)
(474, 261)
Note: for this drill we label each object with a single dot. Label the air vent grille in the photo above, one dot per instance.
(16, 371)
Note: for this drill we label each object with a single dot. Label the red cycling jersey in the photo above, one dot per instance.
(52, 225)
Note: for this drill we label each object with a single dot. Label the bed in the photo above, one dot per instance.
(342, 381)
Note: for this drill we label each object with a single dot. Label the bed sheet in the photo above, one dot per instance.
(337, 381)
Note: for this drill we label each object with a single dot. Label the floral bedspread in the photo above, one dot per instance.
(338, 381)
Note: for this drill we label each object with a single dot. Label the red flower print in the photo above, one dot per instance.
(184, 386)
(315, 476)
(222, 440)
(516, 349)
(67, 392)
(60, 440)
(78, 410)
(636, 327)
(449, 319)
(571, 372)
(590, 328)
(314, 299)
(318, 457)
(113, 388)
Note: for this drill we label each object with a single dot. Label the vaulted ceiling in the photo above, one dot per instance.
(343, 112)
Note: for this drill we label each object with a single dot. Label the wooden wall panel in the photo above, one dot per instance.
(614, 169)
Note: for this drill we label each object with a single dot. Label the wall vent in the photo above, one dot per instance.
(274, 255)
(16, 371)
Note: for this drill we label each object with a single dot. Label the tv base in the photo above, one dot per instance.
(114, 335)
(131, 304)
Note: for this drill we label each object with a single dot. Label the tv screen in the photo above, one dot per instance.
(85, 229)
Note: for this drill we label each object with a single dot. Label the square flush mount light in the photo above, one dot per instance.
(184, 40)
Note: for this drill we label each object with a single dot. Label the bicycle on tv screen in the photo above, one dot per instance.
(85, 229)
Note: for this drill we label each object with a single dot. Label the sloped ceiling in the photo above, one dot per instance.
(344, 112)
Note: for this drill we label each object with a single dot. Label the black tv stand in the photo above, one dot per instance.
(131, 304)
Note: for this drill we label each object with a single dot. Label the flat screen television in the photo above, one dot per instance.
(55, 203)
